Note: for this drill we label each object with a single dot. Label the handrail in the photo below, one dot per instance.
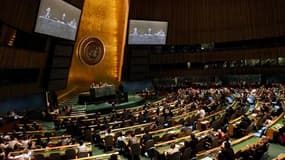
(280, 157)
(49, 148)
(66, 93)
(161, 130)
(204, 153)
(98, 156)
(33, 132)
(276, 120)
(182, 138)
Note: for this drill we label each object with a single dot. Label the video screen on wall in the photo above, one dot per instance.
(58, 18)
(147, 32)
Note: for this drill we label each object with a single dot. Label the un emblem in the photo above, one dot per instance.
(91, 51)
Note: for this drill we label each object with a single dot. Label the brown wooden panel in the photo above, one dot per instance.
(18, 13)
(19, 90)
(21, 14)
(20, 58)
(192, 21)
(12, 58)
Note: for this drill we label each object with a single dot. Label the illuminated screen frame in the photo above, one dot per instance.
(147, 32)
(62, 23)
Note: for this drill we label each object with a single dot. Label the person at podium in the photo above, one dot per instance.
(92, 85)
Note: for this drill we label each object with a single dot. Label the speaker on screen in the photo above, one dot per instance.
(58, 18)
(147, 32)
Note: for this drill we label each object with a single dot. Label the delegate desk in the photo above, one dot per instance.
(280, 157)
(33, 133)
(171, 131)
(233, 123)
(159, 133)
(100, 156)
(246, 142)
(274, 127)
(206, 121)
(57, 149)
(164, 146)
(237, 145)
(214, 117)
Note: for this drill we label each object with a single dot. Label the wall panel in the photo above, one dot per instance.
(20, 14)
(12, 58)
(192, 21)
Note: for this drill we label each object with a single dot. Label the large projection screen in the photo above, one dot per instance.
(147, 32)
(58, 18)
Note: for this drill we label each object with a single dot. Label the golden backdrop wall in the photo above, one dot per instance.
(106, 20)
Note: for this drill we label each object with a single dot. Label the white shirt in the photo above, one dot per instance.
(24, 156)
(26, 143)
(82, 148)
(12, 143)
(172, 151)
(121, 138)
(202, 113)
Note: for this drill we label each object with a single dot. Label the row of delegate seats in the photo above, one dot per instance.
(14, 145)
(152, 125)
(193, 116)
(99, 116)
(84, 120)
(255, 121)
(55, 153)
(114, 119)
(203, 153)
